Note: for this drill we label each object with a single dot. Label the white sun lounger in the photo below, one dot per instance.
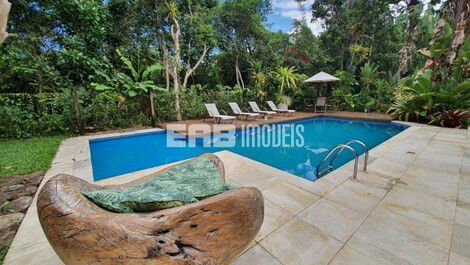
(254, 106)
(214, 113)
(274, 108)
(238, 111)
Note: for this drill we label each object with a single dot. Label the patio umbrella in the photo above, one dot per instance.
(322, 77)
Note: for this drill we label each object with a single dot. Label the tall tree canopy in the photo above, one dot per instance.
(212, 47)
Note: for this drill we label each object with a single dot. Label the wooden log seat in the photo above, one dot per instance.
(211, 231)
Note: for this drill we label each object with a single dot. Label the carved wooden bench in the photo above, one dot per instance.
(211, 231)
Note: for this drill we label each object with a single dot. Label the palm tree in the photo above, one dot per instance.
(286, 77)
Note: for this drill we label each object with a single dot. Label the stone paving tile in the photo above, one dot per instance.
(464, 194)
(456, 259)
(421, 201)
(256, 178)
(445, 147)
(333, 219)
(116, 180)
(402, 156)
(349, 256)
(45, 255)
(425, 226)
(465, 181)
(319, 187)
(465, 166)
(340, 175)
(232, 165)
(370, 184)
(300, 243)
(451, 138)
(290, 197)
(438, 165)
(233, 182)
(461, 240)
(387, 168)
(274, 217)
(444, 190)
(252, 244)
(454, 158)
(415, 140)
(354, 200)
(383, 242)
(256, 255)
(427, 132)
(462, 215)
(82, 168)
(426, 174)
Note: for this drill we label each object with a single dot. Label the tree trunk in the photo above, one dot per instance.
(175, 34)
(238, 74)
(409, 47)
(166, 65)
(460, 14)
(5, 7)
(191, 70)
(152, 109)
(76, 108)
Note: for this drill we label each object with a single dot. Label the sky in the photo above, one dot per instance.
(285, 11)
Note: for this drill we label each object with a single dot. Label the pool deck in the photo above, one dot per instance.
(239, 123)
(411, 207)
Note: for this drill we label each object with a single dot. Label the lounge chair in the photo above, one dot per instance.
(274, 108)
(211, 231)
(320, 103)
(214, 113)
(239, 113)
(254, 106)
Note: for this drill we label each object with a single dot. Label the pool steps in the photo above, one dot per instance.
(336, 151)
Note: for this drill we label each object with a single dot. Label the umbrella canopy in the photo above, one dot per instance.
(322, 77)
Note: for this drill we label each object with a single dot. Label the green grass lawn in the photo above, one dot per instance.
(23, 156)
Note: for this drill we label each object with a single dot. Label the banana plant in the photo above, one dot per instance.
(135, 82)
(438, 48)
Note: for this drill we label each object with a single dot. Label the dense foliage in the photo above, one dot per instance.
(80, 65)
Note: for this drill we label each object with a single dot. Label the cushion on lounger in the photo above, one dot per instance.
(185, 183)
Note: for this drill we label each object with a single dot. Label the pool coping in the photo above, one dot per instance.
(277, 119)
(73, 158)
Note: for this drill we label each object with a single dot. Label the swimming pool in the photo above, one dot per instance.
(119, 155)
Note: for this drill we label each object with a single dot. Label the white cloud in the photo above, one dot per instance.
(291, 9)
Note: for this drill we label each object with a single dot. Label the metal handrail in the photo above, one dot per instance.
(366, 154)
(332, 151)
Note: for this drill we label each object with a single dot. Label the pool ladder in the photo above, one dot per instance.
(336, 151)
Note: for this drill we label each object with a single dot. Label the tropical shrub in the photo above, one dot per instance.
(109, 110)
(282, 99)
(25, 115)
(453, 119)
(417, 99)
(368, 94)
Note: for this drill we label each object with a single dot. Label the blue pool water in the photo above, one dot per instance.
(115, 156)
